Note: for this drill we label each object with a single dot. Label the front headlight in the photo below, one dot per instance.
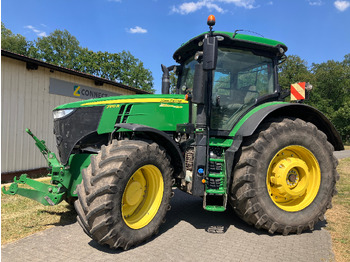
(61, 113)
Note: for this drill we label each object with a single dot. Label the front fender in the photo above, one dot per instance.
(163, 140)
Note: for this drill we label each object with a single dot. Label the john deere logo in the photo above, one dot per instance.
(76, 91)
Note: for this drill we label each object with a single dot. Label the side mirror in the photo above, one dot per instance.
(210, 53)
(198, 94)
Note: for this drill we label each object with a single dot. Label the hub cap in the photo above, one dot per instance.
(293, 178)
(142, 196)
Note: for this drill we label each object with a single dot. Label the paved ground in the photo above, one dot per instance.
(342, 154)
(182, 238)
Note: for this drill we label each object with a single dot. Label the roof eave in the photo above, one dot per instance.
(98, 80)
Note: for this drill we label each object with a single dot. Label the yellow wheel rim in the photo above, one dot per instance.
(293, 178)
(142, 196)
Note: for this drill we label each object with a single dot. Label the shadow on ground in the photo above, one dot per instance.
(189, 208)
(185, 207)
(66, 217)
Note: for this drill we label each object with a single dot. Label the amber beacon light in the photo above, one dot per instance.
(211, 20)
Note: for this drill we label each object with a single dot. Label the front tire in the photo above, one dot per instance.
(125, 193)
(285, 177)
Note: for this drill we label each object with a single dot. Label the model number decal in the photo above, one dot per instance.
(112, 106)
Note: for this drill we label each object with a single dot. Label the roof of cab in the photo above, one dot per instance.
(231, 39)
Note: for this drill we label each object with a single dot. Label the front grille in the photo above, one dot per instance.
(71, 129)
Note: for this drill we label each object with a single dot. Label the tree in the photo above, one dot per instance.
(59, 48)
(120, 67)
(173, 82)
(63, 49)
(13, 43)
(331, 93)
(331, 88)
(341, 119)
(133, 72)
(293, 70)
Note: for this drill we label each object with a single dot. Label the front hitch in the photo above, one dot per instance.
(48, 195)
(41, 192)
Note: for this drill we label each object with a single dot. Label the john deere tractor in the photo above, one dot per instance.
(225, 135)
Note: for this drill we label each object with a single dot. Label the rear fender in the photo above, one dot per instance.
(302, 111)
(251, 121)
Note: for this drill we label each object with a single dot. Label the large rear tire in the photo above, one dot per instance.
(285, 177)
(125, 193)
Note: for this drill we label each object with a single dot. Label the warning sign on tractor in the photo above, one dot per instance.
(297, 91)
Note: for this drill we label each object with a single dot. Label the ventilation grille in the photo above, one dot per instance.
(124, 113)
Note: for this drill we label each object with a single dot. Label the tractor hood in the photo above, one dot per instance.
(133, 99)
(162, 112)
(74, 122)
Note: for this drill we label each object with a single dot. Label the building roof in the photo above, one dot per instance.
(32, 63)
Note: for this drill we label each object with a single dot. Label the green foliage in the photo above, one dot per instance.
(341, 119)
(134, 74)
(293, 70)
(121, 67)
(59, 48)
(331, 88)
(173, 82)
(332, 93)
(63, 49)
(13, 43)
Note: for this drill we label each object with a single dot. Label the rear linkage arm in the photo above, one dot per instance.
(42, 193)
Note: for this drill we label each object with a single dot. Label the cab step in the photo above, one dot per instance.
(215, 203)
(215, 195)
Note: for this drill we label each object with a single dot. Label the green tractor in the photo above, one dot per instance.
(225, 135)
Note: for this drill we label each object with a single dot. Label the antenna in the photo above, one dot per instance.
(244, 30)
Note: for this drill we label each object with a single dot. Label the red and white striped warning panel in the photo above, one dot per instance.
(297, 91)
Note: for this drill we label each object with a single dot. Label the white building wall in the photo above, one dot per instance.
(26, 103)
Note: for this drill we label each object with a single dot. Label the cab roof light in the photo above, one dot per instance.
(211, 22)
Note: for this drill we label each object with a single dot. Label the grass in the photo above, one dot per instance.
(347, 147)
(338, 217)
(21, 217)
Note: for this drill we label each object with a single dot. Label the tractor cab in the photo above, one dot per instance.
(239, 79)
(223, 75)
(243, 74)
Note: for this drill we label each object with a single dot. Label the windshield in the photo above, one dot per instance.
(240, 77)
(187, 75)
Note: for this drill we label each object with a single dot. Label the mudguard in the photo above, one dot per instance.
(163, 140)
(251, 121)
(302, 111)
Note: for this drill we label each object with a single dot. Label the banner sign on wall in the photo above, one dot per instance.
(64, 88)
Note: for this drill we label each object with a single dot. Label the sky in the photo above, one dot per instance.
(152, 30)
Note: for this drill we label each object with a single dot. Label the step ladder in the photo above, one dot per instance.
(215, 194)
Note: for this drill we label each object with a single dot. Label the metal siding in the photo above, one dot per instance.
(26, 103)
